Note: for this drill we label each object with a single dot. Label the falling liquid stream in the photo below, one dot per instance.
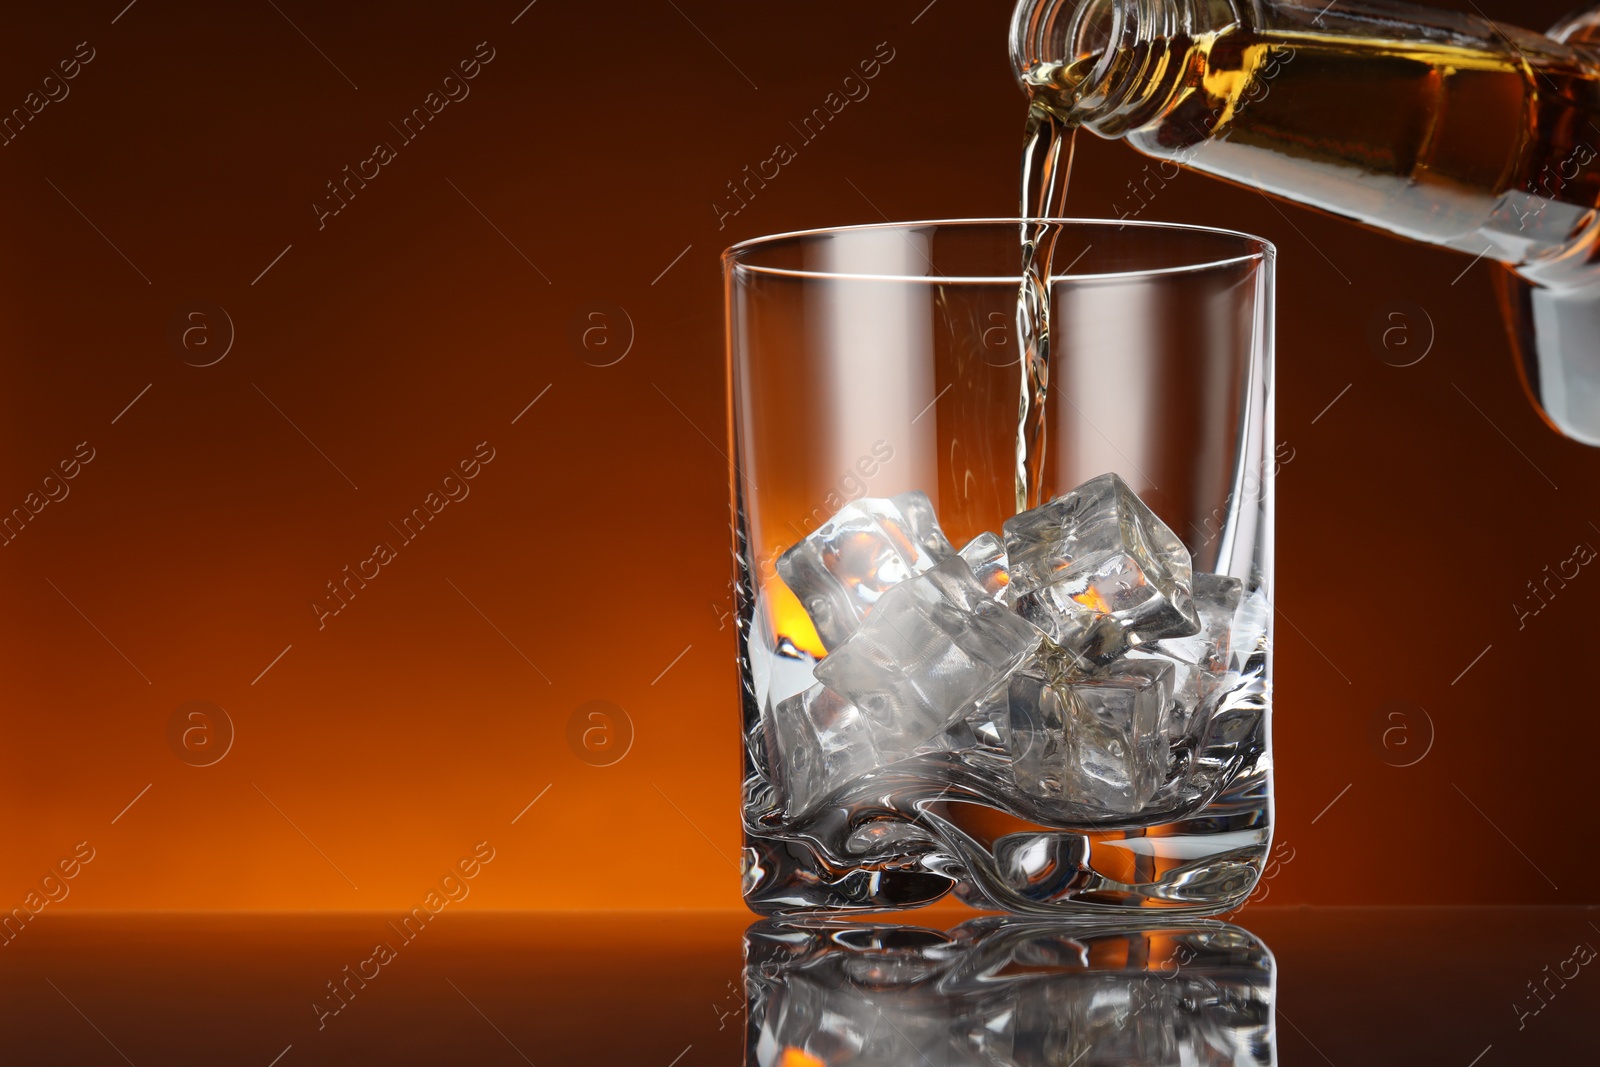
(1046, 173)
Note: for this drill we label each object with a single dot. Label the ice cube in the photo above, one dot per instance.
(778, 669)
(1029, 686)
(1033, 715)
(843, 569)
(1096, 740)
(1201, 660)
(986, 555)
(818, 743)
(1249, 628)
(1208, 665)
(931, 647)
(988, 724)
(1193, 687)
(1098, 572)
(1216, 601)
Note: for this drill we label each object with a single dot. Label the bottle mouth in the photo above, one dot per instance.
(1094, 28)
(1059, 33)
(1109, 65)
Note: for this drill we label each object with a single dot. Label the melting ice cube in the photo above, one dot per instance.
(931, 647)
(843, 569)
(1098, 572)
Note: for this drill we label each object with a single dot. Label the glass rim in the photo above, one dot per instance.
(733, 258)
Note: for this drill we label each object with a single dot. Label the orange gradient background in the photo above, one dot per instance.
(590, 561)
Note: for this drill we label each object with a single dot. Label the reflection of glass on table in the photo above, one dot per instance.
(1013, 991)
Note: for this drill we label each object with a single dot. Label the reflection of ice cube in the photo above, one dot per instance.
(1097, 571)
(841, 570)
(986, 555)
(835, 1018)
(817, 743)
(930, 649)
(1097, 740)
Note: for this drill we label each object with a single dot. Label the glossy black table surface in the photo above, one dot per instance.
(1451, 986)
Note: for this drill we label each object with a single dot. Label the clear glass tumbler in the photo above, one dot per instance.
(868, 363)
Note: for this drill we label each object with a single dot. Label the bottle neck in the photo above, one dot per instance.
(1107, 64)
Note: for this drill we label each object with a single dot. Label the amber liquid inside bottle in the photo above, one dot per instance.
(1490, 150)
